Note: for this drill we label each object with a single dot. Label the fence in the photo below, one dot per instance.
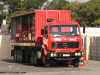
(95, 48)
(92, 43)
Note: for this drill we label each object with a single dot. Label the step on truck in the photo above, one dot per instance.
(45, 37)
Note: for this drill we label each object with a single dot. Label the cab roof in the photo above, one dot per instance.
(69, 22)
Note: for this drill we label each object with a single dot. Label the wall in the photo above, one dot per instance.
(92, 46)
(5, 48)
(95, 48)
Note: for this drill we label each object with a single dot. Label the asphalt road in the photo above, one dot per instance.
(8, 67)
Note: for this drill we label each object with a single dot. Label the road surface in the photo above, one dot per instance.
(8, 67)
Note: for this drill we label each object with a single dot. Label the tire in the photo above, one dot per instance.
(45, 61)
(76, 63)
(38, 56)
(26, 56)
(14, 56)
(18, 56)
(33, 59)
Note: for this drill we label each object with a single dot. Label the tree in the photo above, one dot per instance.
(87, 13)
(57, 4)
(90, 13)
(37, 3)
(97, 22)
(74, 7)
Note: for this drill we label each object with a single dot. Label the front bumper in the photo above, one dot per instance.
(64, 56)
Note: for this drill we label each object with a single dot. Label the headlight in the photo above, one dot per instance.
(53, 54)
(78, 54)
(83, 53)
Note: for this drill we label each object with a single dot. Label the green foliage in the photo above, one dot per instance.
(87, 13)
(97, 22)
(57, 4)
(37, 3)
(74, 7)
(90, 13)
(20, 5)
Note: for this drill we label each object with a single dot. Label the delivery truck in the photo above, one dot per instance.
(42, 37)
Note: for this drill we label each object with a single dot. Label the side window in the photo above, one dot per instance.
(46, 32)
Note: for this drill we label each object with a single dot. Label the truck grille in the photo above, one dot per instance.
(65, 45)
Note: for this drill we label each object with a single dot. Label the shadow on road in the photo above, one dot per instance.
(8, 60)
(51, 65)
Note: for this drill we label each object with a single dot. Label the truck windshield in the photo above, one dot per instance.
(64, 30)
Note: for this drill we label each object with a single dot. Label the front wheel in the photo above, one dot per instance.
(35, 58)
(45, 61)
(76, 63)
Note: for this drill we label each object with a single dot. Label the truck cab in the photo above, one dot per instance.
(63, 41)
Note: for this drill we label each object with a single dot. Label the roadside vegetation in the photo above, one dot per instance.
(87, 14)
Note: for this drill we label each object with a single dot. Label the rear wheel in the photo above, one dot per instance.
(18, 57)
(33, 59)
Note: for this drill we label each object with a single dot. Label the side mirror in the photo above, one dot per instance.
(84, 29)
(42, 31)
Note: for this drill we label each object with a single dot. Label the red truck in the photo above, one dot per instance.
(46, 36)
